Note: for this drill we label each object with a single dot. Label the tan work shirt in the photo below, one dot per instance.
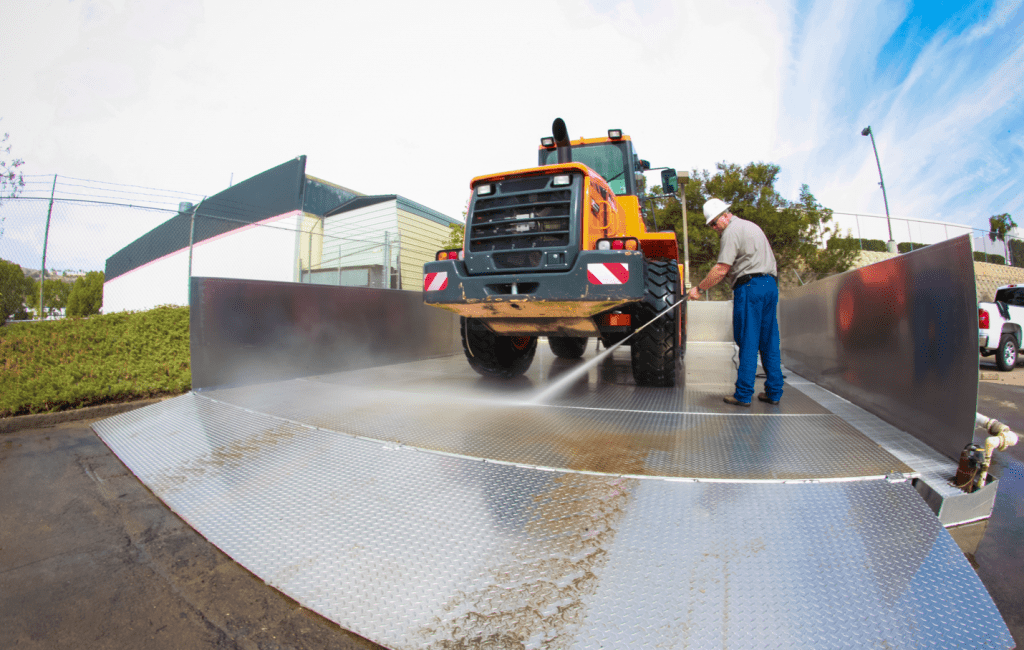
(746, 249)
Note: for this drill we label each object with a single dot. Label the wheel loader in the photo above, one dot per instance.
(561, 250)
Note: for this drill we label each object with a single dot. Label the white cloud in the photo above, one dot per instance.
(418, 98)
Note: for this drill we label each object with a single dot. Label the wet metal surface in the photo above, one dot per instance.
(602, 423)
(897, 339)
(372, 502)
(246, 331)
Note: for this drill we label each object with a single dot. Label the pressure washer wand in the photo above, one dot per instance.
(637, 330)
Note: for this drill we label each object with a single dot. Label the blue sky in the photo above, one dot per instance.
(417, 98)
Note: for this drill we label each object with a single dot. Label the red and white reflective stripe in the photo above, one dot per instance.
(608, 273)
(435, 281)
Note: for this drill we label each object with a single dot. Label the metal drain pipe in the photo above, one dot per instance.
(1000, 438)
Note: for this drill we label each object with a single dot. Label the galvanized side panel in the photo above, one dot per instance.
(246, 331)
(709, 321)
(896, 338)
(414, 549)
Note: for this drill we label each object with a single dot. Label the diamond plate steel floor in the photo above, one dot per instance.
(421, 506)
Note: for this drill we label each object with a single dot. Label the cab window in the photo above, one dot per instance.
(1008, 296)
(607, 159)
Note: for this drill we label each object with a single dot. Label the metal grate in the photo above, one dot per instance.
(520, 217)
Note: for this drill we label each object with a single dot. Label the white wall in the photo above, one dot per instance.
(359, 236)
(262, 251)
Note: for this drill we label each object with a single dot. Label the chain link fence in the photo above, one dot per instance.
(149, 253)
(869, 232)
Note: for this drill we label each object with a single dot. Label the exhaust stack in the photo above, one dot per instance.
(561, 140)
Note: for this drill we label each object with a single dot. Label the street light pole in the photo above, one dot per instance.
(891, 245)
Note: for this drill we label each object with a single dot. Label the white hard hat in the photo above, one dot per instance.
(713, 209)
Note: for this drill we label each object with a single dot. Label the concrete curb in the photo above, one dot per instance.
(20, 422)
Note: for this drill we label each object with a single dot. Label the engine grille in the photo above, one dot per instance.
(523, 214)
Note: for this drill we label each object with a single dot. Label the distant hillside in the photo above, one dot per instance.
(65, 276)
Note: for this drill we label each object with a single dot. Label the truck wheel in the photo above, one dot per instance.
(655, 350)
(568, 347)
(496, 356)
(1006, 357)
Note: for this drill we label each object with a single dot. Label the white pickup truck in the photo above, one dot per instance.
(1000, 324)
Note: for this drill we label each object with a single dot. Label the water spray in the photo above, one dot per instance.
(562, 383)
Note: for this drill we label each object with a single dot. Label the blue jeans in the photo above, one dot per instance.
(756, 329)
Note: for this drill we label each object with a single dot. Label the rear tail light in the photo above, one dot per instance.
(454, 254)
(614, 320)
(618, 244)
(982, 319)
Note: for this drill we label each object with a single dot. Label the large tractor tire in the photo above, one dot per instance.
(568, 347)
(496, 356)
(656, 349)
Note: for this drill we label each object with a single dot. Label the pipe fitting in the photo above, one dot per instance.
(1000, 438)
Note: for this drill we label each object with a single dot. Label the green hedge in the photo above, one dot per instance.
(991, 259)
(74, 362)
(876, 245)
(1016, 252)
(907, 246)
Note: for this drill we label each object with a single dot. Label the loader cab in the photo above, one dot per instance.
(612, 157)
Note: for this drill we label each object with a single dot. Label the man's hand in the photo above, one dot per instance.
(716, 275)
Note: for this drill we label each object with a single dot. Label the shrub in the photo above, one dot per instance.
(843, 243)
(907, 246)
(70, 363)
(86, 296)
(1017, 252)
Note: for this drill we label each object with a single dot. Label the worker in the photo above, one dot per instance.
(747, 261)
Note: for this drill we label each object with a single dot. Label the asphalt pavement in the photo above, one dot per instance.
(90, 558)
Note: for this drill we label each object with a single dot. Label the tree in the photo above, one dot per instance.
(1000, 226)
(13, 287)
(55, 296)
(456, 234)
(798, 231)
(11, 179)
(86, 297)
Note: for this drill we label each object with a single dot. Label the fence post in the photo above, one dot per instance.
(46, 239)
(386, 262)
(191, 242)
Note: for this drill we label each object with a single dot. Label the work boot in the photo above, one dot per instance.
(735, 402)
(764, 398)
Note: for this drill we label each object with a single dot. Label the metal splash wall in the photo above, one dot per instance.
(247, 332)
(897, 338)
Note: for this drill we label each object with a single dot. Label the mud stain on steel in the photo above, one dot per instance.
(227, 456)
(537, 598)
(711, 588)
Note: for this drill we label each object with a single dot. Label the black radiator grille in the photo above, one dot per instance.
(530, 219)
